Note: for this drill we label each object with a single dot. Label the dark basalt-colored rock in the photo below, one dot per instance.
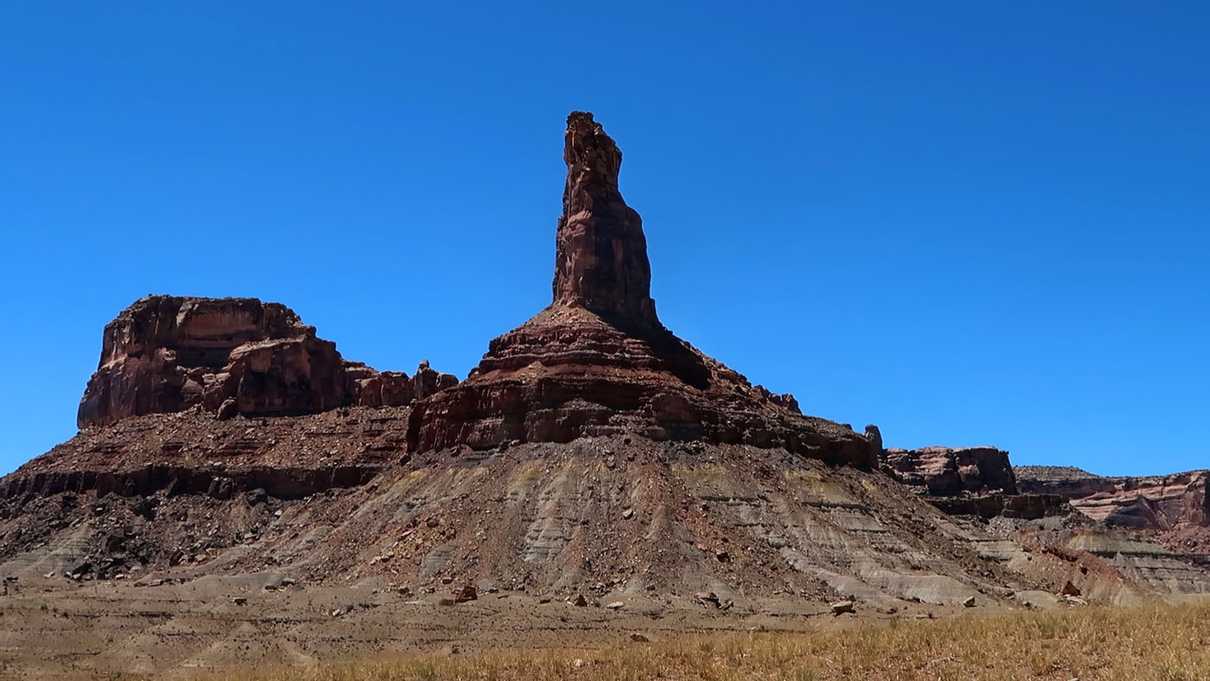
(598, 362)
(164, 353)
(232, 356)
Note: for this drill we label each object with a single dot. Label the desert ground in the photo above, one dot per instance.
(236, 628)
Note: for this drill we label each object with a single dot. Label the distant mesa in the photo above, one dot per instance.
(977, 481)
(1158, 502)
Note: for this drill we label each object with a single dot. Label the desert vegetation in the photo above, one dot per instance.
(1170, 643)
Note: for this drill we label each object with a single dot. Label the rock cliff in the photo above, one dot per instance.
(976, 481)
(166, 354)
(1147, 502)
(947, 471)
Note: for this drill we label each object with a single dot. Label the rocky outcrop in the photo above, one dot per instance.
(428, 382)
(997, 504)
(874, 435)
(374, 389)
(947, 471)
(598, 362)
(973, 481)
(166, 354)
(1148, 502)
(601, 253)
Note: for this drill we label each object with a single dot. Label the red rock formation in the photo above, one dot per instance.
(427, 381)
(601, 253)
(968, 481)
(1147, 502)
(947, 471)
(166, 354)
(598, 362)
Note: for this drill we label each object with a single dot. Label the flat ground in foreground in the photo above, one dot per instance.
(238, 628)
(1151, 642)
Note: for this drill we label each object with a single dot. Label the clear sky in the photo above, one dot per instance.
(966, 222)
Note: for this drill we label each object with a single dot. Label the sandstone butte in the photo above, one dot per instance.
(597, 361)
(590, 451)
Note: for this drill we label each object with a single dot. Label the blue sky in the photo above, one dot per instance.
(967, 224)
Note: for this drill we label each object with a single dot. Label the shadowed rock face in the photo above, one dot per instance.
(167, 354)
(597, 362)
(600, 251)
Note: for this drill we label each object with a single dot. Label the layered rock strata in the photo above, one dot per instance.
(192, 453)
(1146, 502)
(977, 481)
(948, 471)
(166, 354)
(597, 361)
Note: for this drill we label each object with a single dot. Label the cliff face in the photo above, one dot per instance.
(166, 354)
(1147, 502)
(972, 481)
(948, 471)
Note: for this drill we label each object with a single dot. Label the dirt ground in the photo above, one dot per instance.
(56, 629)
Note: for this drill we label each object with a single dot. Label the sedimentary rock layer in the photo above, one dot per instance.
(947, 471)
(1150, 502)
(976, 481)
(166, 354)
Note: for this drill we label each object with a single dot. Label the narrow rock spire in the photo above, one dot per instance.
(600, 251)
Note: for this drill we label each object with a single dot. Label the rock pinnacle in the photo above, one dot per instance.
(600, 252)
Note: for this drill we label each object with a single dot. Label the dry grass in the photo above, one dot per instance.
(1157, 642)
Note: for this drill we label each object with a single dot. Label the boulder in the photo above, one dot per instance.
(842, 607)
(466, 594)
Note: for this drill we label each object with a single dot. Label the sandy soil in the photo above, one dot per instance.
(55, 629)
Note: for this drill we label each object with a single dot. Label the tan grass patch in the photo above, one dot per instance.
(1164, 643)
